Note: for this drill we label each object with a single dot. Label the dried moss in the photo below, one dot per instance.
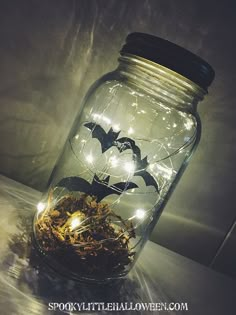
(95, 246)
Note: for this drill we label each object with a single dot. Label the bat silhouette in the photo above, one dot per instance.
(106, 139)
(98, 188)
(109, 139)
(141, 166)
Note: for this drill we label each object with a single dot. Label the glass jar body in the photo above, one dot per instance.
(124, 155)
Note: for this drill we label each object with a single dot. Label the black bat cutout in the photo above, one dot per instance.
(98, 188)
(109, 139)
(106, 139)
(148, 178)
(141, 166)
(75, 183)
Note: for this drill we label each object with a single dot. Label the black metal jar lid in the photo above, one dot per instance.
(170, 55)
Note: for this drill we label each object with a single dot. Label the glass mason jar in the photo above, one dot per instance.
(124, 155)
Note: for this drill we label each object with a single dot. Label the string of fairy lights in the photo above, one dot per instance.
(162, 168)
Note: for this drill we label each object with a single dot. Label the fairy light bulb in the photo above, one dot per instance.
(116, 127)
(114, 161)
(40, 206)
(130, 131)
(189, 124)
(89, 158)
(129, 167)
(140, 214)
(75, 223)
(106, 120)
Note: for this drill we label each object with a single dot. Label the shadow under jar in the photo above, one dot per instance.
(124, 155)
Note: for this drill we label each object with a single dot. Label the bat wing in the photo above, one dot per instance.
(112, 134)
(122, 186)
(100, 188)
(106, 139)
(104, 181)
(141, 164)
(148, 178)
(98, 185)
(116, 189)
(97, 132)
(75, 184)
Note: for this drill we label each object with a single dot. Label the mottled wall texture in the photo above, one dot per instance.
(51, 52)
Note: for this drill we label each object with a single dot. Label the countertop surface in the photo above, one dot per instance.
(27, 286)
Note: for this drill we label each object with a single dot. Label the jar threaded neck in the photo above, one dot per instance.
(160, 82)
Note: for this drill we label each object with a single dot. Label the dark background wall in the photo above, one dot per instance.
(51, 52)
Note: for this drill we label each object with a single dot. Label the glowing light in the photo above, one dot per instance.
(116, 127)
(163, 118)
(182, 114)
(96, 116)
(168, 144)
(140, 213)
(89, 158)
(129, 167)
(174, 125)
(114, 161)
(100, 117)
(130, 130)
(83, 140)
(77, 137)
(106, 119)
(189, 124)
(75, 223)
(40, 206)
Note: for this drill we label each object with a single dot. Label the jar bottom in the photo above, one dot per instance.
(66, 267)
(84, 244)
